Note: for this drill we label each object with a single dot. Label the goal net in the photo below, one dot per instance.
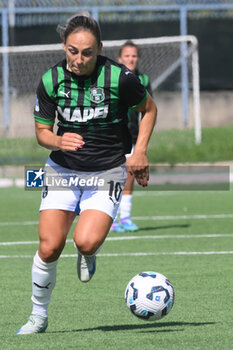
(170, 62)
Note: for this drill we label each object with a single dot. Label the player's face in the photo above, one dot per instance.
(129, 57)
(81, 52)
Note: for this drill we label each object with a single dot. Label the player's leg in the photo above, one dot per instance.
(89, 235)
(57, 212)
(54, 226)
(124, 213)
(126, 205)
(125, 222)
(98, 209)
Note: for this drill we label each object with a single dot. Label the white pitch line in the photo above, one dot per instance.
(153, 193)
(106, 255)
(121, 238)
(16, 256)
(19, 223)
(166, 253)
(128, 238)
(139, 218)
(18, 243)
(179, 217)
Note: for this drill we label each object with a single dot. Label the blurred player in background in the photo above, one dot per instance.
(90, 94)
(129, 56)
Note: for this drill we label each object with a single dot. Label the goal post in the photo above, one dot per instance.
(160, 58)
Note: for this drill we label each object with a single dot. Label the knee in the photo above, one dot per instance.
(86, 247)
(50, 251)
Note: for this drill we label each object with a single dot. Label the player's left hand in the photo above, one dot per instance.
(138, 166)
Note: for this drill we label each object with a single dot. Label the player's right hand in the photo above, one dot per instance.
(70, 141)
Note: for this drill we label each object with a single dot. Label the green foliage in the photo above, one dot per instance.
(21, 151)
(175, 146)
(172, 146)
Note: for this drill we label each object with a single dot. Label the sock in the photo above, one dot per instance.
(43, 283)
(125, 206)
(41, 310)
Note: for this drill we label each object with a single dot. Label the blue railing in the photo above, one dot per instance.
(65, 3)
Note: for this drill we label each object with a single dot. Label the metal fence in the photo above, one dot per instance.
(28, 12)
(65, 3)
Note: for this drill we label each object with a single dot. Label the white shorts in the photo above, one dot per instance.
(77, 191)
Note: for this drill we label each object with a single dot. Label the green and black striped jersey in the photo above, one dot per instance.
(133, 116)
(93, 106)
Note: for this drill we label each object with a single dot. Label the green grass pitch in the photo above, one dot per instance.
(187, 236)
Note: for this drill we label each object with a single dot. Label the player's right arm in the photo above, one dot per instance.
(48, 139)
(44, 115)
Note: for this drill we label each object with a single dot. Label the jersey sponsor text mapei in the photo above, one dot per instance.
(84, 114)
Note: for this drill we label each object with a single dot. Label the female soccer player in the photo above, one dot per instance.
(129, 56)
(90, 95)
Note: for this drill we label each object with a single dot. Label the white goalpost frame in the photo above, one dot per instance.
(192, 52)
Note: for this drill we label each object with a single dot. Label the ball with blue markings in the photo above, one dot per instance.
(149, 296)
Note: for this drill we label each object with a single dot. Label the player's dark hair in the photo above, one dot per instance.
(81, 21)
(126, 44)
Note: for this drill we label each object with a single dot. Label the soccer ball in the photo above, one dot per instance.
(149, 296)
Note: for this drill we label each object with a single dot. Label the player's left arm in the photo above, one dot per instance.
(138, 162)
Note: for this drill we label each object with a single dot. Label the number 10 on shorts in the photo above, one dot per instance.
(115, 191)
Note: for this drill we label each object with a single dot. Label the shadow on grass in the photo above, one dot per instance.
(142, 327)
(163, 227)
